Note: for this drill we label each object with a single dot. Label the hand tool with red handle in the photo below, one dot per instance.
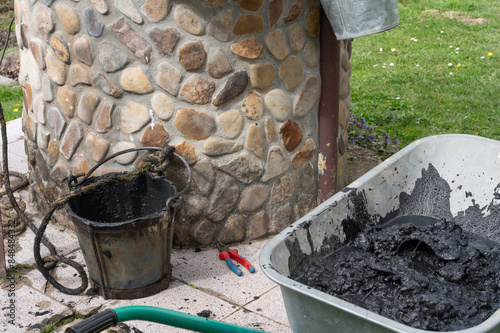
(227, 254)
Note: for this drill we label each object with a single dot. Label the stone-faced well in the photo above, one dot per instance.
(233, 85)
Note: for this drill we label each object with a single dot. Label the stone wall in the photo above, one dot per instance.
(233, 85)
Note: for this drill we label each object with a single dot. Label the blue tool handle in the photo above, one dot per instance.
(233, 267)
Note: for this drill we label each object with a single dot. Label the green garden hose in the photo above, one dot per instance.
(110, 317)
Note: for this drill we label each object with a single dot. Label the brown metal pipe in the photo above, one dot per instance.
(328, 114)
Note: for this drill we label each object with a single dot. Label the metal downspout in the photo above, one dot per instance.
(328, 113)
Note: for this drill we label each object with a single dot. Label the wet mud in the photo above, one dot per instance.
(435, 277)
(437, 272)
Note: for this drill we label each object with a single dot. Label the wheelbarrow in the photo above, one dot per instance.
(110, 317)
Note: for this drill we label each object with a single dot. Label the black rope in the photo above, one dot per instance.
(46, 264)
(157, 163)
(7, 41)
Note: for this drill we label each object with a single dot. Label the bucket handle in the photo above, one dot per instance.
(72, 181)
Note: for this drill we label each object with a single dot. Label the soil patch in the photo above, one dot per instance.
(361, 160)
(451, 14)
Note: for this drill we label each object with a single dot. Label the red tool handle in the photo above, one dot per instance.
(234, 255)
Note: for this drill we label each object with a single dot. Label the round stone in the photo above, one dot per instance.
(220, 26)
(134, 80)
(168, 77)
(134, 116)
(81, 48)
(277, 45)
(198, 90)
(231, 122)
(128, 9)
(192, 55)
(127, 158)
(248, 24)
(262, 76)
(154, 136)
(297, 37)
(291, 135)
(291, 72)
(308, 97)
(194, 124)
(111, 57)
(162, 106)
(218, 64)
(79, 74)
(60, 47)
(66, 98)
(155, 10)
(279, 104)
(253, 106)
(247, 48)
(68, 18)
(188, 20)
(42, 18)
(255, 140)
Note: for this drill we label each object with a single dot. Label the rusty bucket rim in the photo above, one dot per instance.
(133, 222)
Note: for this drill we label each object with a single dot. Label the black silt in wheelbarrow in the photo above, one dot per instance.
(125, 228)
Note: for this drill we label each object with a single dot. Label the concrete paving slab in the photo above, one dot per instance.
(17, 163)
(14, 131)
(205, 270)
(250, 319)
(179, 257)
(63, 239)
(270, 305)
(204, 282)
(33, 309)
(178, 297)
(69, 278)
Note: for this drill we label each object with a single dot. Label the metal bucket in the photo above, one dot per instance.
(357, 18)
(125, 230)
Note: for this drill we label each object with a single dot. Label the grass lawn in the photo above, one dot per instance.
(11, 98)
(432, 74)
(12, 102)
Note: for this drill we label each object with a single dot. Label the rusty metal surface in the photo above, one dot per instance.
(328, 114)
(127, 259)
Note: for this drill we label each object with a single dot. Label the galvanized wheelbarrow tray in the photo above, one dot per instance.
(450, 176)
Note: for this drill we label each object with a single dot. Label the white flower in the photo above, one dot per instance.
(381, 50)
(417, 65)
(375, 65)
(451, 73)
(457, 48)
(398, 97)
(384, 67)
(482, 57)
(451, 46)
(450, 64)
(442, 31)
(391, 64)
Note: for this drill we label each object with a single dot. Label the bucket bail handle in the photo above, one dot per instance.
(167, 151)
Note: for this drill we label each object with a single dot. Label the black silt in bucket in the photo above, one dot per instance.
(125, 231)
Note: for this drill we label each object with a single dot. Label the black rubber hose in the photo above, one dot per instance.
(97, 323)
